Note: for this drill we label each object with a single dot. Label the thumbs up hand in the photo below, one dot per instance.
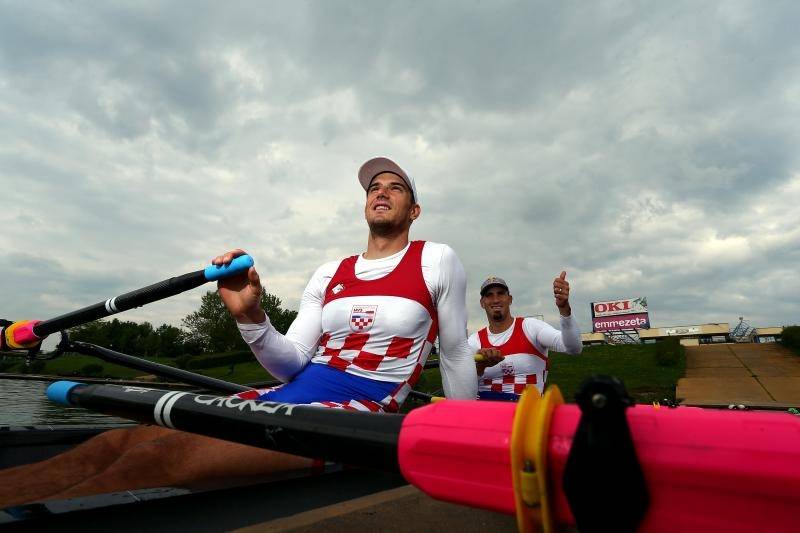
(561, 293)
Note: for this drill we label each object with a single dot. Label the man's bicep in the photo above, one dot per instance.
(542, 333)
(451, 302)
(458, 366)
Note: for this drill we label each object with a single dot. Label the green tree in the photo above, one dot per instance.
(133, 338)
(213, 329)
(280, 318)
(127, 337)
(170, 341)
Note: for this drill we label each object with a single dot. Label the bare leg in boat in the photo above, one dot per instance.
(141, 457)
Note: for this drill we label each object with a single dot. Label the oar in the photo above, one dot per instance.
(337, 435)
(706, 470)
(26, 334)
(151, 367)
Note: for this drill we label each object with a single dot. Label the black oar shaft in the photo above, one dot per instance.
(139, 297)
(158, 369)
(129, 300)
(355, 438)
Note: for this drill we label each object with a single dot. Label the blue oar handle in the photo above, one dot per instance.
(238, 265)
(58, 392)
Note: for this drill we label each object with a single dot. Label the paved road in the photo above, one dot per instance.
(748, 374)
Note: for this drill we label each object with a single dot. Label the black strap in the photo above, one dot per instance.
(603, 480)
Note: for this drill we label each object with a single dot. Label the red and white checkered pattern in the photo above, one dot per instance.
(353, 405)
(375, 356)
(514, 383)
(361, 323)
(254, 394)
(350, 405)
(362, 317)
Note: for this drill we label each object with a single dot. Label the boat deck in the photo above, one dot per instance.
(350, 500)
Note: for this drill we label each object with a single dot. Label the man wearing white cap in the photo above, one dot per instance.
(515, 349)
(366, 323)
(365, 327)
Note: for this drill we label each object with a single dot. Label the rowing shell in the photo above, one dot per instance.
(704, 469)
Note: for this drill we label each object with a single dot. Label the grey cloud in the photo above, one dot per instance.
(609, 139)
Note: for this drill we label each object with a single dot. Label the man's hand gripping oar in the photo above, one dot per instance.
(241, 293)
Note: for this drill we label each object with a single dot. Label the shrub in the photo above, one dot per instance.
(183, 361)
(224, 359)
(35, 367)
(668, 351)
(791, 337)
(92, 369)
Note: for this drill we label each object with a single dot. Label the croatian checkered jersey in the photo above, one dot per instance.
(524, 346)
(378, 319)
(380, 329)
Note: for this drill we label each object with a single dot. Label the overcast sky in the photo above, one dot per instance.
(648, 149)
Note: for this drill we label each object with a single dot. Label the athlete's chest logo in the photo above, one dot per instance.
(362, 317)
(337, 289)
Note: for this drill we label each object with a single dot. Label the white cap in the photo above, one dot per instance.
(379, 165)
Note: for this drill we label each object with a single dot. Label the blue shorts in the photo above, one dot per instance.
(498, 396)
(320, 383)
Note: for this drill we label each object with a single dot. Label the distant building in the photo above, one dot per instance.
(590, 339)
(767, 334)
(691, 335)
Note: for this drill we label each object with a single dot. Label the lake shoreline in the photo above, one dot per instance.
(94, 380)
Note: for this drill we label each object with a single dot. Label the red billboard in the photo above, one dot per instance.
(619, 315)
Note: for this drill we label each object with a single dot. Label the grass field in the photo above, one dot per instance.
(636, 365)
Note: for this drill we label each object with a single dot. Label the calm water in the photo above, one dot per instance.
(23, 403)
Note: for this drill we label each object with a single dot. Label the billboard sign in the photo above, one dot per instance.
(621, 322)
(619, 307)
(619, 315)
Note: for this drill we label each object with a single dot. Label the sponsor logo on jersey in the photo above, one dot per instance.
(337, 289)
(362, 317)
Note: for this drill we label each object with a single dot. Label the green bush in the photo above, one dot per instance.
(92, 369)
(668, 351)
(183, 361)
(224, 359)
(35, 367)
(791, 337)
